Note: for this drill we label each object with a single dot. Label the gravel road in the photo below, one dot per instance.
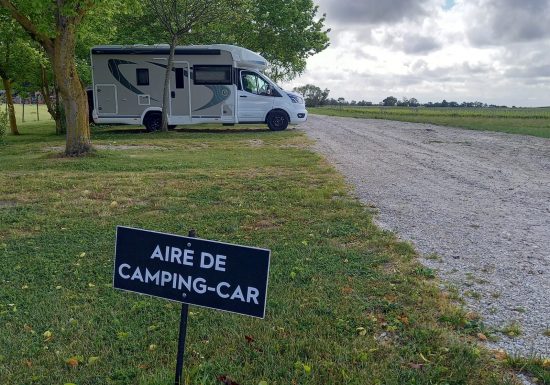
(475, 204)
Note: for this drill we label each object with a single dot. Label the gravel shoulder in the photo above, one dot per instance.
(475, 204)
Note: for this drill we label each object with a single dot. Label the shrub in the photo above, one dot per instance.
(3, 125)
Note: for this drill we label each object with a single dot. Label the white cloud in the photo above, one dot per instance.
(492, 51)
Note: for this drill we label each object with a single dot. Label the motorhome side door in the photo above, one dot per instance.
(255, 99)
(106, 99)
(180, 92)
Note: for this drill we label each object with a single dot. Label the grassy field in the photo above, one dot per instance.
(347, 302)
(30, 113)
(525, 121)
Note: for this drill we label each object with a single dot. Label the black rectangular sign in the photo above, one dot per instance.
(192, 270)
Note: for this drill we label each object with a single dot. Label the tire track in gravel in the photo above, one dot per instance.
(479, 200)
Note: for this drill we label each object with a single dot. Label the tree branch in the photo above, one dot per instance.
(25, 22)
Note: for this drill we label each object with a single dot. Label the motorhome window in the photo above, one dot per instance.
(255, 84)
(142, 75)
(179, 77)
(212, 74)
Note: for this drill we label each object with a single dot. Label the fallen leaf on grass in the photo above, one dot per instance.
(122, 335)
(82, 255)
(299, 365)
(92, 360)
(472, 315)
(152, 347)
(226, 380)
(546, 363)
(404, 319)
(48, 335)
(249, 339)
(481, 337)
(262, 382)
(347, 290)
(27, 363)
(361, 331)
(423, 358)
(500, 354)
(72, 362)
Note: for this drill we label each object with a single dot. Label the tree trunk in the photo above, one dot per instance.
(53, 110)
(60, 123)
(11, 109)
(166, 95)
(73, 95)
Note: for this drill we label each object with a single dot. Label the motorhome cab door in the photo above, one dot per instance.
(180, 94)
(255, 98)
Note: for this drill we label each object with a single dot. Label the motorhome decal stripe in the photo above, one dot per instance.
(113, 67)
(219, 94)
(185, 73)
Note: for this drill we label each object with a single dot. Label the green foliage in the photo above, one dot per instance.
(313, 95)
(18, 55)
(390, 101)
(3, 125)
(285, 32)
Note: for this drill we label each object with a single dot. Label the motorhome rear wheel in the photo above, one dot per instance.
(153, 121)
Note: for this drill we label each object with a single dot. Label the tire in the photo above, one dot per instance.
(277, 120)
(153, 122)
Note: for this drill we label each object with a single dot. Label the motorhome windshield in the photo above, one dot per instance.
(271, 81)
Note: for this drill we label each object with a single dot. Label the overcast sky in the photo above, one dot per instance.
(494, 51)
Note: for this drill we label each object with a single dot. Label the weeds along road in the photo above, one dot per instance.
(475, 204)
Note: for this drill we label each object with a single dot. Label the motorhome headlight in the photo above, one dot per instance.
(296, 99)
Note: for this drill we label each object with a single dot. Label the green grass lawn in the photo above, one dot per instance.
(347, 302)
(524, 121)
(29, 113)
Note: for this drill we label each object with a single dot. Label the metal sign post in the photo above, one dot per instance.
(183, 332)
(181, 343)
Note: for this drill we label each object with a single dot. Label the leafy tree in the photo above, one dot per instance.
(13, 62)
(55, 26)
(413, 102)
(313, 95)
(285, 32)
(390, 101)
(178, 19)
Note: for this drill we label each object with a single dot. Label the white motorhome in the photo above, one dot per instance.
(216, 83)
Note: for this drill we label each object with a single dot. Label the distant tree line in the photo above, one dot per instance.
(316, 97)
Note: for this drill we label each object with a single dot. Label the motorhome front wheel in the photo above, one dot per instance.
(277, 120)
